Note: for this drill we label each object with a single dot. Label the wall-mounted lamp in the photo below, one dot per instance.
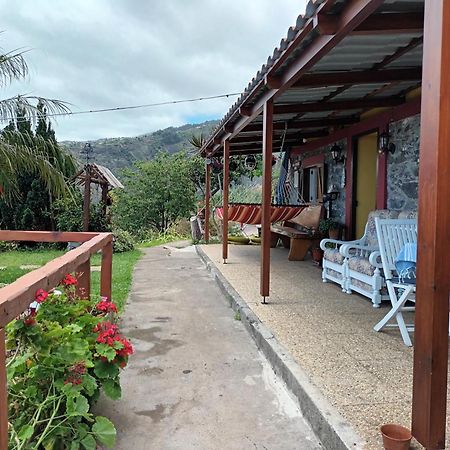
(208, 161)
(336, 154)
(384, 145)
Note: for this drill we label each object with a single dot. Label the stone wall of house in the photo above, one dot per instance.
(403, 166)
(335, 178)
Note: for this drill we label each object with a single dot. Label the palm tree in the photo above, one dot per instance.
(22, 152)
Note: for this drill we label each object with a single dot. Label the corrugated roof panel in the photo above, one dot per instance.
(316, 115)
(397, 88)
(358, 91)
(411, 59)
(362, 52)
(305, 95)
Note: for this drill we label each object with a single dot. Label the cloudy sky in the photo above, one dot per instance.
(107, 53)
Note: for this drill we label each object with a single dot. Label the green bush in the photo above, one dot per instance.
(69, 215)
(123, 241)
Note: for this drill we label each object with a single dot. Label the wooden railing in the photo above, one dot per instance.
(17, 296)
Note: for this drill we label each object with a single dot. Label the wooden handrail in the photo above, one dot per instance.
(17, 296)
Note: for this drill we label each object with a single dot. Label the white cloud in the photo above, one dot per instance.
(105, 53)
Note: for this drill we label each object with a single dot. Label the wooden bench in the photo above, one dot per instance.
(300, 233)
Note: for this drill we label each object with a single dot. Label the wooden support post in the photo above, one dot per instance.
(83, 274)
(106, 271)
(104, 199)
(207, 199)
(266, 198)
(3, 394)
(87, 199)
(226, 190)
(349, 190)
(433, 280)
(381, 198)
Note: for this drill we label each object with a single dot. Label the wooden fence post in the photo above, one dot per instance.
(3, 394)
(106, 271)
(83, 274)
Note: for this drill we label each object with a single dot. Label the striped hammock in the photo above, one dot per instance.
(251, 213)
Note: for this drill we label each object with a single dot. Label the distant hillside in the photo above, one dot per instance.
(117, 153)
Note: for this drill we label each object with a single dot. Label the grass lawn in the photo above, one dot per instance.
(123, 264)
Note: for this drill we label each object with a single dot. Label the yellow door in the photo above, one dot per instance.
(366, 180)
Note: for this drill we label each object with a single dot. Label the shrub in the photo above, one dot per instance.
(123, 241)
(69, 215)
(61, 353)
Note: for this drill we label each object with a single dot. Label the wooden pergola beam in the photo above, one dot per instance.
(433, 279)
(338, 105)
(360, 77)
(302, 124)
(293, 136)
(389, 23)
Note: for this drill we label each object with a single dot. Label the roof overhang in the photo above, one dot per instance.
(343, 58)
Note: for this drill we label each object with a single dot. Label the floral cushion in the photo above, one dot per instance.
(361, 265)
(407, 215)
(372, 240)
(333, 255)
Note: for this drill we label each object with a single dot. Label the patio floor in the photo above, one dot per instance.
(366, 375)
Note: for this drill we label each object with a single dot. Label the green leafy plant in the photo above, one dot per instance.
(62, 352)
(325, 225)
(123, 241)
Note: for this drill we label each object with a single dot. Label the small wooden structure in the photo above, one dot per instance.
(102, 176)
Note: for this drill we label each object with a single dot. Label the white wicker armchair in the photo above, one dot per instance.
(347, 262)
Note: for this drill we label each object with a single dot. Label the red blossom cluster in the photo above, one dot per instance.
(75, 373)
(41, 295)
(69, 280)
(106, 306)
(108, 334)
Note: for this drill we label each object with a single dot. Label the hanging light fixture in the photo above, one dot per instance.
(336, 154)
(384, 144)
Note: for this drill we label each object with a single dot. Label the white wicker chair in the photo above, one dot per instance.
(347, 262)
(392, 237)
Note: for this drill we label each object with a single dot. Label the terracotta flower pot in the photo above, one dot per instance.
(395, 437)
(317, 254)
(334, 233)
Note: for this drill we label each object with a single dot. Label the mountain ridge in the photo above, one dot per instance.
(119, 153)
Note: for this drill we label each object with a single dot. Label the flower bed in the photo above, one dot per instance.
(61, 354)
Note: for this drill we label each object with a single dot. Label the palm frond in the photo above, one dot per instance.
(12, 67)
(22, 156)
(197, 141)
(22, 107)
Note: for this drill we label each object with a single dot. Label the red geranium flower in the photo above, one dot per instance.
(69, 280)
(106, 306)
(41, 295)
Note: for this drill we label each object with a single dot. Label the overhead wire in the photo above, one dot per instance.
(124, 108)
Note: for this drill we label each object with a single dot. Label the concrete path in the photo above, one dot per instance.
(197, 380)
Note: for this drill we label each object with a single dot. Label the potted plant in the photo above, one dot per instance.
(317, 255)
(330, 227)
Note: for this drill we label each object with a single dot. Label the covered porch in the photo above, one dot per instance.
(367, 376)
(358, 74)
